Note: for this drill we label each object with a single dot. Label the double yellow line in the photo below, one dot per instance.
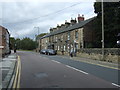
(16, 83)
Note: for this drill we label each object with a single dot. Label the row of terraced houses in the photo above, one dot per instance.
(76, 34)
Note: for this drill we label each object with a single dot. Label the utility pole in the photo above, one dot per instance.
(102, 31)
(37, 49)
(38, 28)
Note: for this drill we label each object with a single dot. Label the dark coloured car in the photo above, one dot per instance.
(51, 52)
(43, 51)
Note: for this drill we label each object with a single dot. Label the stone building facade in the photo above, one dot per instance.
(4, 41)
(72, 35)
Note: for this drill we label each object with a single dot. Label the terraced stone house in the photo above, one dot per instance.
(72, 35)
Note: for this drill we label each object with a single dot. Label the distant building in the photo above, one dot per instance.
(4, 41)
(74, 35)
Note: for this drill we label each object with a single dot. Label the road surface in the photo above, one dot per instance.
(41, 71)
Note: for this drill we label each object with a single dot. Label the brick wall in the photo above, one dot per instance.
(4, 40)
(0, 41)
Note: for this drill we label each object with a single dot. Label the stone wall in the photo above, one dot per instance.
(111, 54)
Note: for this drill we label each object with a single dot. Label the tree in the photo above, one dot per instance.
(24, 44)
(18, 43)
(28, 44)
(111, 22)
(12, 42)
(40, 35)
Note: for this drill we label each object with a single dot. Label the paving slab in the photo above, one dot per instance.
(7, 68)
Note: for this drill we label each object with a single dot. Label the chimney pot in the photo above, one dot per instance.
(80, 18)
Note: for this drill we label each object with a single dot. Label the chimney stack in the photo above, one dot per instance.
(58, 27)
(73, 21)
(54, 29)
(51, 30)
(80, 18)
(62, 25)
(67, 23)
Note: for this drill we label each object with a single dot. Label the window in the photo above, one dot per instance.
(68, 35)
(76, 34)
(58, 47)
(61, 37)
(64, 47)
(56, 38)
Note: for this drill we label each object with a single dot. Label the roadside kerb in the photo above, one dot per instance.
(95, 62)
(12, 80)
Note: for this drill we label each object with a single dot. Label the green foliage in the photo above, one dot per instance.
(12, 42)
(41, 35)
(24, 44)
(111, 22)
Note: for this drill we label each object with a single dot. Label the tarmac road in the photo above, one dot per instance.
(39, 71)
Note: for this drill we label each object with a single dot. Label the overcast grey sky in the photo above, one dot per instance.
(20, 18)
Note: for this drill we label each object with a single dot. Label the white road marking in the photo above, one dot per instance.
(115, 85)
(76, 69)
(56, 61)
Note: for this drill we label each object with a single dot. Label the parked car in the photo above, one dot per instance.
(43, 51)
(51, 52)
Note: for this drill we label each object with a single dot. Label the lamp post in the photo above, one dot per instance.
(102, 31)
(38, 28)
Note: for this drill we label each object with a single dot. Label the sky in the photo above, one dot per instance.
(22, 18)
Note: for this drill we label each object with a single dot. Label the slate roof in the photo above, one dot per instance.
(70, 28)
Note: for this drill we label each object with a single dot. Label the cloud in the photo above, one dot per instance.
(22, 17)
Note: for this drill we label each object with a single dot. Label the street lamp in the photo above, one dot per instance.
(38, 28)
(102, 31)
(36, 36)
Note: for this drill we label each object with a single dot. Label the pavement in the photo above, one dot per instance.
(95, 62)
(7, 67)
